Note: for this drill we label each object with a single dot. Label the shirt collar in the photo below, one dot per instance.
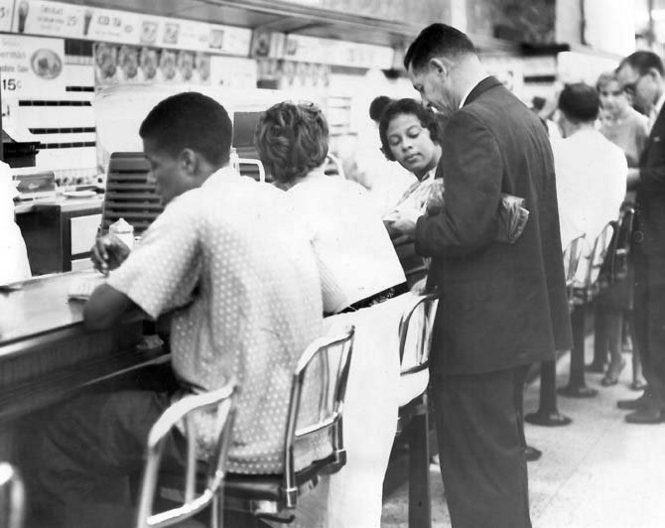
(223, 173)
(466, 95)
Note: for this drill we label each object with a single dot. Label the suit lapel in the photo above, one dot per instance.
(656, 134)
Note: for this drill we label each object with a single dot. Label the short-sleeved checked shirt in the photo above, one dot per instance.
(229, 260)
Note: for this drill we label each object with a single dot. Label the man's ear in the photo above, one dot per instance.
(438, 65)
(189, 161)
(655, 74)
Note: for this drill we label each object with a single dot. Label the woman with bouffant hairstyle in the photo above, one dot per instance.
(357, 261)
(359, 270)
(292, 140)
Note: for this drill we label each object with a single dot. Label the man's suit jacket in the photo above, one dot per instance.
(503, 305)
(649, 232)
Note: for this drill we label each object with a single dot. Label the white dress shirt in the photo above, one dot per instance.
(591, 184)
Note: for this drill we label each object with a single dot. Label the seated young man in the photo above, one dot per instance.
(242, 287)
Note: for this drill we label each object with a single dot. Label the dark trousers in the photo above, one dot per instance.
(649, 315)
(91, 448)
(481, 444)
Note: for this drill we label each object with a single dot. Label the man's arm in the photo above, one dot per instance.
(473, 168)
(105, 308)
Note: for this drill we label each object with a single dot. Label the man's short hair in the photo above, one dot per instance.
(643, 61)
(190, 120)
(437, 40)
(377, 106)
(579, 102)
(426, 117)
(291, 139)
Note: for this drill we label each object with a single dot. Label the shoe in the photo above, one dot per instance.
(532, 454)
(642, 402)
(637, 385)
(595, 367)
(646, 416)
(612, 375)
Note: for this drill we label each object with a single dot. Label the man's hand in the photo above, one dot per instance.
(108, 253)
(403, 221)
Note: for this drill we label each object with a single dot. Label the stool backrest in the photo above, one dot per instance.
(219, 407)
(598, 254)
(571, 259)
(12, 497)
(415, 332)
(332, 356)
(129, 194)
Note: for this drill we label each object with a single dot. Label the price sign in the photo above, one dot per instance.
(31, 66)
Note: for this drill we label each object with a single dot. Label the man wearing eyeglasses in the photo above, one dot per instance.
(642, 75)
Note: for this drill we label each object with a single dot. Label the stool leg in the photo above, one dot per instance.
(576, 387)
(420, 506)
(547, 413)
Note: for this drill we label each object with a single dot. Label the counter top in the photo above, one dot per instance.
(64, 203)
(40, 305)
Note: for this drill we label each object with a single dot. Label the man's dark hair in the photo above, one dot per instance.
(643, 61)
(426, 117)
(377, 106)
(437, 40)
(579, 102)
(190, 120)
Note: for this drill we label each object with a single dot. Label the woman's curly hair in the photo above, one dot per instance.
(427, 119)
(291, 139)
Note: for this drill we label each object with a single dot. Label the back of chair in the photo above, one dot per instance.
(571, 259)
(129, 194)
(597, 257)
(419, 317)
(333, 375)
(181, 415)
(12, 497)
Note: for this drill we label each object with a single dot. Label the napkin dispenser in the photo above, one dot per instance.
(36, 186)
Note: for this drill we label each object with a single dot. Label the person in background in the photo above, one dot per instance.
(619, 121)
(591, 177)
(503, 306)
(357, 261)
(14, 265)
(411, 135)
(641, 75)
(590, 170)
(628, 129)
(226, 260)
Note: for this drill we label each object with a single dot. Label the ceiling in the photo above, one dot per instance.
(288, 17)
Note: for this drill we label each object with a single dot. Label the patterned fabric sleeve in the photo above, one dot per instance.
(162, 271)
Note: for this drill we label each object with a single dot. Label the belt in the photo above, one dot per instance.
(377, 298)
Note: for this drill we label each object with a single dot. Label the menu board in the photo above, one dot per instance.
(31, 66)
(57, 19)
(337, 52)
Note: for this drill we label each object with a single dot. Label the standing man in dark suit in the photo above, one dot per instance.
(641, 74)
(503, 306)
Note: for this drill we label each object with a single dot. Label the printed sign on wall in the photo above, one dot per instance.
(6, 10)
(31, 66)
(57, 19)
(126, 64)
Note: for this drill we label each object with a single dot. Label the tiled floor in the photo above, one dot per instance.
(598, 472)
